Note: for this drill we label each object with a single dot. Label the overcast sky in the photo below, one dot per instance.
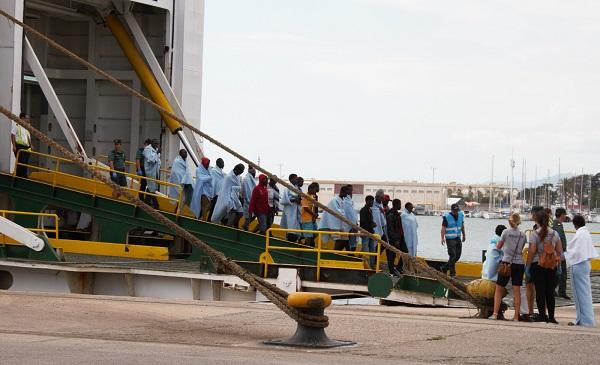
(388, 89)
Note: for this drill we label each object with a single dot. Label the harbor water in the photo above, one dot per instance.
(479, 232)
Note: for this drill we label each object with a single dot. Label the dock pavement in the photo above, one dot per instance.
(38, 328)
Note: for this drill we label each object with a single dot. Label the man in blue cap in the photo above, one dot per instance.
(453, 228)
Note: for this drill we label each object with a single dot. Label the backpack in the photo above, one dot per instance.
(548, 258)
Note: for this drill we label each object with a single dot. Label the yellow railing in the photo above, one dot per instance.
(133, 165)
(43, 229)
(318, 249)
(59, 161)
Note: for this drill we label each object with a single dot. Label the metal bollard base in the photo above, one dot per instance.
(310, 337)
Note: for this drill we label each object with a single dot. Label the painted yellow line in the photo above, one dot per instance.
(106, 249)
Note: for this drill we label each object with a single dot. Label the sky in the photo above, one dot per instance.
(385, 90)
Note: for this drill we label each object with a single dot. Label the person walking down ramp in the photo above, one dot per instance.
(248, 185)
(181, 175)
(229, 202)
(259, 204)
(290, 218)
(152, 169)
(203, 191)
(410, 226)
(453, 228)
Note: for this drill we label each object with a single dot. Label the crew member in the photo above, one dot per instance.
(21, 145)
(453, 228)
(116, 162)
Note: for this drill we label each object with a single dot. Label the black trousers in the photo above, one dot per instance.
(454, 247)
(143, 184)
(545, 282)
(562, 279)
(391, 255)
(23, 159)
(341, 245)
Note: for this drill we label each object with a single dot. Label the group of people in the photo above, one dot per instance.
(226, 198)
(147, 163)
(395, 225)
(544, 269)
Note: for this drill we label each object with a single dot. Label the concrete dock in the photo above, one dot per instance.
(74, 329)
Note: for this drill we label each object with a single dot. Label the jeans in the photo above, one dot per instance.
(582, 293)
(391, 256)
(454, 247)
(369, 245)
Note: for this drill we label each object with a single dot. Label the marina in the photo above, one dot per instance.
(119, 240)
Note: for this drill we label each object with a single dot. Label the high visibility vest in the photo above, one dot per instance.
(454, 228)
(22, 136)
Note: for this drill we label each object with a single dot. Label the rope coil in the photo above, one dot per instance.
(412, 263)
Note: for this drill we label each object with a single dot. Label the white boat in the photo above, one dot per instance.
(491, 215)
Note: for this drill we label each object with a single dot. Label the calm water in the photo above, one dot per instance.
(479, 232)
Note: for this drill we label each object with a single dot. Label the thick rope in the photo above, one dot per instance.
(274, 294)
(458, 287)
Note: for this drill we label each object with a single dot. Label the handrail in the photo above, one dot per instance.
(132, 163)
(178, 202)
(318, 249)
(44, 230)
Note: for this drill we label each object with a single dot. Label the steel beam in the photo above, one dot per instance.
(52, 98)
(188, 139)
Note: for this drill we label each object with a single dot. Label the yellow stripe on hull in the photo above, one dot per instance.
(106, 249)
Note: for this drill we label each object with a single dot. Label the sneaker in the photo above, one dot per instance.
(537, 318)
(525, 318)
(552, 320)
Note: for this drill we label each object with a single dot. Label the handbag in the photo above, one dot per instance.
(504, 267)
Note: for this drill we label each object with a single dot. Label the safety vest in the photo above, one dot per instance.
(454, 228)
(22, 136)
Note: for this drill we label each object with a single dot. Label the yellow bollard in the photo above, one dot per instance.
(307, 336)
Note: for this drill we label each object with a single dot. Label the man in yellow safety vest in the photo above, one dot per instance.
(21, 141)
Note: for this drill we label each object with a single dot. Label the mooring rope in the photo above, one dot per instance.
(412, 263)
(274, 294)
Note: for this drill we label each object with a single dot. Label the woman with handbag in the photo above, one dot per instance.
(545, 251)
(512, 266)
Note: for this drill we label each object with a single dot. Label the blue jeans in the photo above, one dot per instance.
(369, 245)
(582, 293)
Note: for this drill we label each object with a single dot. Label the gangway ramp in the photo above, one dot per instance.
(116, 218)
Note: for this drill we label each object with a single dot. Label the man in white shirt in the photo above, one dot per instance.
(21, 141)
